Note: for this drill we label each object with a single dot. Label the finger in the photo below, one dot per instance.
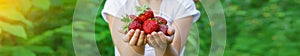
(145, 40)
(169, 39)
(135, 37)
(149, 40)
(141, 39)
(128, 36)
(164, 43)
(170, 30)
(163, 37)
(152, 41)
(157, 39)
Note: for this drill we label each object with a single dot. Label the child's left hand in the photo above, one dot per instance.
(160, 41)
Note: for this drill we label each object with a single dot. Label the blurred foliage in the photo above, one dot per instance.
(43, 25)
(254, 28)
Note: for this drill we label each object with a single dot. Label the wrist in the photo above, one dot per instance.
(162, 51)
(138, 50)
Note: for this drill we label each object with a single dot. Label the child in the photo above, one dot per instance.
(180, 15)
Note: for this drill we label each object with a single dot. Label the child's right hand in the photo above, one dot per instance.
(136, 39)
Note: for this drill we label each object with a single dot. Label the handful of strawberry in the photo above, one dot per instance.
(145, 21)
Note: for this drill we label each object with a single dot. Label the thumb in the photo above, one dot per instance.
(170, 30)
(128, 36)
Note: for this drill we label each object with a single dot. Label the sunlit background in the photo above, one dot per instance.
(254, 28)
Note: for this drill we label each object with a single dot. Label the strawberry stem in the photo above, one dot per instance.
(127, 21)
(142, 9)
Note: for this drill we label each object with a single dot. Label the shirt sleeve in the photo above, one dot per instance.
(187, 8)
(111, 7)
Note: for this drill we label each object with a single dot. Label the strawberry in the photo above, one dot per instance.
(142, 18)
(130, 23)
(144, 12)
(133, 17)
(135, 25)
(163, 28)
(161, 20)
(150, 25)
(149, 13)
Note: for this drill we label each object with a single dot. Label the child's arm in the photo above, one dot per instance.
(182, 28)
(130, 44)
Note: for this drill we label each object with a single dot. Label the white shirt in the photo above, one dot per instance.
(170, 9)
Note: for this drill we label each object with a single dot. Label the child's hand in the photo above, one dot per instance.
(136, 39)
(155, 39)
(160, 41)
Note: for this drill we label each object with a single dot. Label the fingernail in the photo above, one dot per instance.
(142, 31)
(131, 30)
(160, 32)
(152, 33)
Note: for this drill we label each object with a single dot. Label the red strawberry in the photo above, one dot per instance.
(163, 28)
(132, 17)
(135, 18)
(135, 25)
(161, 20)
(149, 13)
(150, 26)
(142, 18)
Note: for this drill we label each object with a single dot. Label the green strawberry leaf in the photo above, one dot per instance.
(127, 20)
(141, 9)
(156, 19)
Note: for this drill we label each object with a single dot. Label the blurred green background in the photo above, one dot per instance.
(254, 28)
